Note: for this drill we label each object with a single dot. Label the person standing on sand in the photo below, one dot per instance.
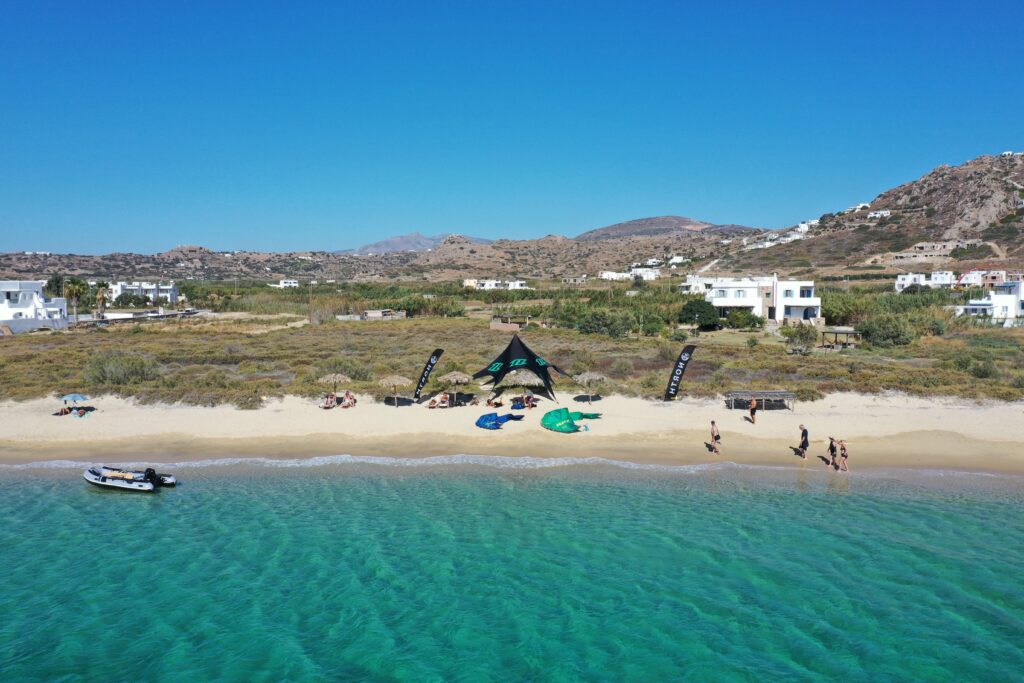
(843, 454)
(716, 438)
(753, 411)
(832, 453)
(805, 442)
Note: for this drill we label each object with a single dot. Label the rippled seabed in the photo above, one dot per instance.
(355, 571)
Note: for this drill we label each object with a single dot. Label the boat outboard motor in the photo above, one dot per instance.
(150, 475)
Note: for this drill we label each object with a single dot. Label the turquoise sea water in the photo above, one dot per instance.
(351, 571)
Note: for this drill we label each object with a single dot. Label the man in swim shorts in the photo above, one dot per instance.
(716, 438)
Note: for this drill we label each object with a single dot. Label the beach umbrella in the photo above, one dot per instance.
(588, 380)
(454, 379)
(335, 378)
(393, 382)
(74, 397)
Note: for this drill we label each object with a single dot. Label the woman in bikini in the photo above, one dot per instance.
(832, 452)
(843, 455)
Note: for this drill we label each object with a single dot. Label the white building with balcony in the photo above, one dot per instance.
(614, 276)
(1003, 305)
(154, 291)
(285, 284)
(764, 296)
(24, 307)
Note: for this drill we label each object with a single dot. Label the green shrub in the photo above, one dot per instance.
(985, 369)
(679, 336)
(887, 330)
(346, 366)
(700, 313)
(118, 368)
(800, 338)
(742, 319)
(752, 342)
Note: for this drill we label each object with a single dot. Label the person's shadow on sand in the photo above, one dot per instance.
(746, 418)
(710, 447)
(796, 451)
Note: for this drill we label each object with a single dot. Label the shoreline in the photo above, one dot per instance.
(888, 431)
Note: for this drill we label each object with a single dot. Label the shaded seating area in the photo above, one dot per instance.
(840, 338)
(766, 400)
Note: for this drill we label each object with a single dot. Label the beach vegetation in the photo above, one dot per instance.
(700, 313)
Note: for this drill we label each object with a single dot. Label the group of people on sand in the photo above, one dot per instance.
(348, 400)
(838, 452)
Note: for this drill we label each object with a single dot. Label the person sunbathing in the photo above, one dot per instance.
(443, 403)
(349, 400)
(531, 401)
(330, 401)
(495, 402)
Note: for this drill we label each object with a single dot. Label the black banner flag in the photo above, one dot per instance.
(677, 372)
(427, 369)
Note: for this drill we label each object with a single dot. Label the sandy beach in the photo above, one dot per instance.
(883, 431)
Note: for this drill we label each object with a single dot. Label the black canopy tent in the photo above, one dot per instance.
(518, 356)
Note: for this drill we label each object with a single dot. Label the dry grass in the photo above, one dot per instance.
(240, 361)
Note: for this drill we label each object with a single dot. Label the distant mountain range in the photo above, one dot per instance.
(414, 241)
(980, 201)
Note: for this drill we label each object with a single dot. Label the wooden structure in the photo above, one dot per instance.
(766, 400)
(506, 323)
(841, 337)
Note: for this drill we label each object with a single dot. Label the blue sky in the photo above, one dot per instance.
(300, 125)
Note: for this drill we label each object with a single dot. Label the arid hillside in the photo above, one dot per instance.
(979, 203)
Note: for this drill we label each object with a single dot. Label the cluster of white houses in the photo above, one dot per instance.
(24, 305)
(765, 296)
(473, 283)
(1003, 303)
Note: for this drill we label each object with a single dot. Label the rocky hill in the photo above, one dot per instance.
(976, 208)
(414, 241)
(645, 227)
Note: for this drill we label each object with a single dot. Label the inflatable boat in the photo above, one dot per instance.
(128, 480)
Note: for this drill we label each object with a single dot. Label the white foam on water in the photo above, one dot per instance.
(494, 461)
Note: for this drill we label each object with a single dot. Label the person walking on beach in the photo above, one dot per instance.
(753, 411)
(832, 453)
(716, 438)
(843, 455)
(805, 442)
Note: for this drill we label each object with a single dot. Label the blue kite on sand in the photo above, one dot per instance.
(494, 421)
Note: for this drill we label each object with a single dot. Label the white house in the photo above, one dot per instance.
(285, 284)
(883, 213)
(652, 262)
(972, 278)
(24, 307)
(940, 278)
(154, 291)
(516, 284)
(645, 273)
(676, 260)
(764, 296)
(614, 276)
(1003, 305)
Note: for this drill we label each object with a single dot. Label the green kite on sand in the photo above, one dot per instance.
(561, 420)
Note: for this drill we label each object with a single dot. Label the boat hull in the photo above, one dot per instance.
(96, 478)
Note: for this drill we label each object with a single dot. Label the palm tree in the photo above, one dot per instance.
(73, 290)
(101, 299)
